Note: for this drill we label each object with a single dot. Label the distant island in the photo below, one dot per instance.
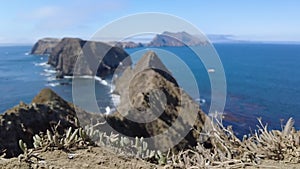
(46, 45)
(176, 39)
(65, 53)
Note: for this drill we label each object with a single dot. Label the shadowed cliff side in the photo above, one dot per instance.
(73, 56)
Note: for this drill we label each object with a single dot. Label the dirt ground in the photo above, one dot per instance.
(96, 157)
(269, 164)
(102, 158)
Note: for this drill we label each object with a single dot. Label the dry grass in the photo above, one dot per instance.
(226, 151)
(230, 152)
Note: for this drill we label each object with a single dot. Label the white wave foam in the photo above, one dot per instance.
(49, 71)
(112, 88)
(46, 74)
(52, 84)
(27, 53)
(51, 78)
(115, 99)
(109, 110)
(68, 77)
(43, 64)
(101, 80)
(85, 77)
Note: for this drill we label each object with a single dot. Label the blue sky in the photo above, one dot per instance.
(266, 20)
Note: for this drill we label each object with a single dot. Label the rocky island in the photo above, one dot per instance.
(125, 44)
(45, 46)
(176, 39)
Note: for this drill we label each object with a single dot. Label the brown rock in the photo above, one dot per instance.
(44, 46)
(152, 104)
(23, 121)
(73, 56)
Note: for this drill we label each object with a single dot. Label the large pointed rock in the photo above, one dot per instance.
(153, 105)
(150, 61)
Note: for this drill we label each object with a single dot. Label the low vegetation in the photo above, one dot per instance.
(226, 150)
(230, 152)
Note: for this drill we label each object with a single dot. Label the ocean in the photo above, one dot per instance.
(263, 80)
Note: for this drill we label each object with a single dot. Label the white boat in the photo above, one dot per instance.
(211, 70)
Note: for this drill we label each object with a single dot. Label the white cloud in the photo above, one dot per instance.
(75, 14)
(59, 19)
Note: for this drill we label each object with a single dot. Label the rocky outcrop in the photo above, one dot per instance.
(25, 120)
(75, 56)
(125, 45)
(176, 39)
(44, 46)
(151, 103)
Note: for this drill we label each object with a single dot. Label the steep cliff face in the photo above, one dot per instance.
(75, 56)
(176, 39)
(148, 91)
(44, 46)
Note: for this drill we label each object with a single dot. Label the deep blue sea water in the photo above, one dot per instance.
(263, 80)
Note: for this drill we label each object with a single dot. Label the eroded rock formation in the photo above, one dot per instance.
(25, 120)
(73, 56)
(44, 46)
(152, 104)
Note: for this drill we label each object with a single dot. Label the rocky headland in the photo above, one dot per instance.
(71, 56)
(75, 56)
(44, 46)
